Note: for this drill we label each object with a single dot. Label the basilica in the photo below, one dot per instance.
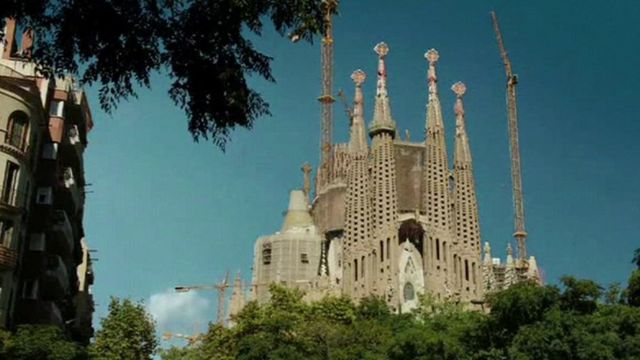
(388, 216)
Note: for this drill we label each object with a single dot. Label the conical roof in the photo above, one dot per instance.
(298, 213)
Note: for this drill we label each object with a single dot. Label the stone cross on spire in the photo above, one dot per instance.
(432, 57)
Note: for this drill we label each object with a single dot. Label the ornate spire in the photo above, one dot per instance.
(358, 198)
(510, 255)
(358, 141)
(434, 111)
(487, 254)
(432, 57)
(533, 273)
(462, 155)
(306, 170)
(382, 119)
(437, 200)
(437, 195)
(382, 49)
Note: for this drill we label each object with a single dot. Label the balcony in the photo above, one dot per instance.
(54, 282)
(34, 311)
(12, 200)
(62, 232)
(72, 148)
(8, 258)
(70, 193)
(19, 152)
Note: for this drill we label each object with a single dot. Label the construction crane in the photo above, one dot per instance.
(326, 99)
(516, 176)
(191, 339)
(221, 287)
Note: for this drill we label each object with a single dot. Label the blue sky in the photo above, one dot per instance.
(166, 211)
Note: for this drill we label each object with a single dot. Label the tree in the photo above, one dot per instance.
(128, 332)
(633, 289)
(40, 342)
(519, 305)
(526, 322)
(202, 45)
(632, 293)
(580, 295)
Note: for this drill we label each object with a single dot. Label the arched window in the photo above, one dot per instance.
(408, 292)
(17, 129)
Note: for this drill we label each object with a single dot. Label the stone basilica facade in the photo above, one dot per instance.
(389, 217)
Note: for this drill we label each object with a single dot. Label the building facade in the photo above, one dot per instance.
(390, 216)
(44, 262)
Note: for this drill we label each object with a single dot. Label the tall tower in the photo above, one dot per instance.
(437, 193)
(383, 171)
(467, 226)
(358, 203)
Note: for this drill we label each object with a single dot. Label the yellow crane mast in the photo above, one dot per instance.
(326, 99)
(516, 175)
(221, 287)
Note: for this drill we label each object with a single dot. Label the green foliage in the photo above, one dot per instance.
(520, 305)
(39, 342)
(613, 294)
(202, 45)
(526, 322)
(580, 295)
(128, 332)
(633, 290)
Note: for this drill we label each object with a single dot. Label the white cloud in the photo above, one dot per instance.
(179, 312)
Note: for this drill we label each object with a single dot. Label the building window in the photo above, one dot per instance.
(57, 108)
(388, 248)
(355, 268)
(30, 289)
(408, 292)
(50, 151)
(17, 129)
(437, 249)
(6, 230)
(10, 181)
(466, 269)
(44, 196)
(37, 242)
(304, 258)
(266, 254)
(473, 273)
(444, 251)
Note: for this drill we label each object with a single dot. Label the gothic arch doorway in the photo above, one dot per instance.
(410, 230)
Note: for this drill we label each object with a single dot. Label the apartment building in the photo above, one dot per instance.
(45, 264)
